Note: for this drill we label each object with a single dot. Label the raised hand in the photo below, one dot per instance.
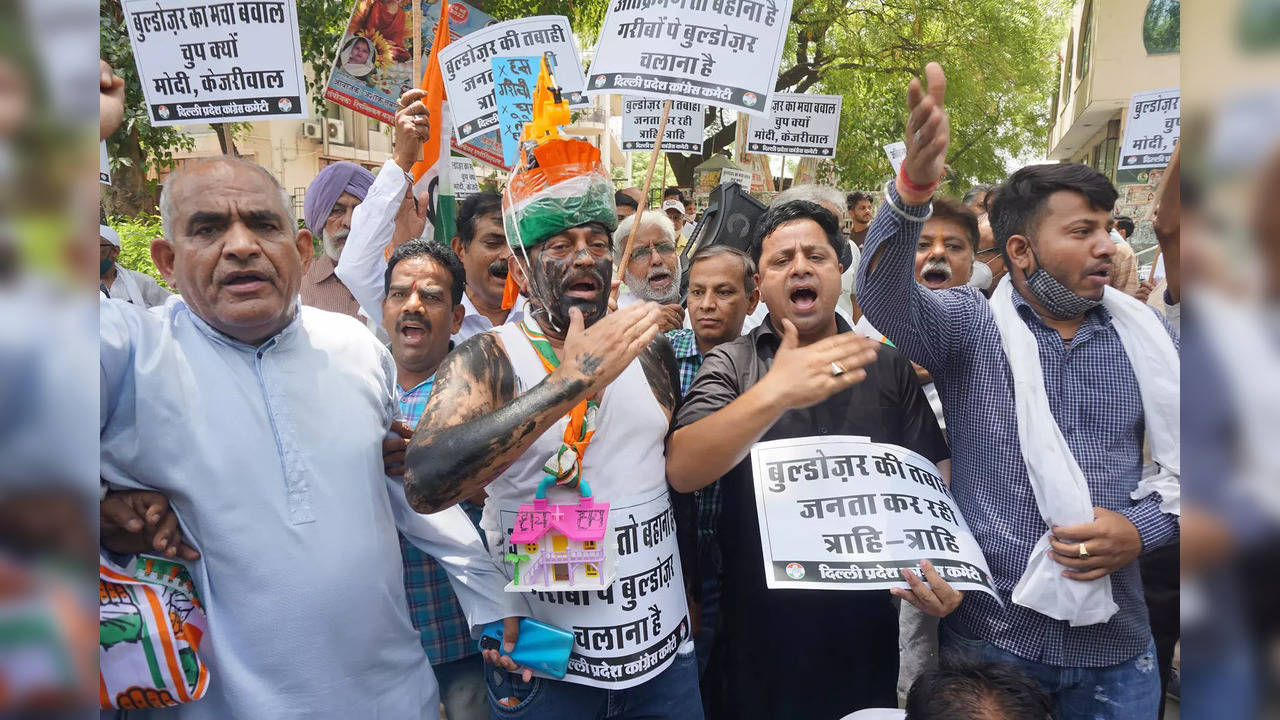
(110, 100)
(928, 135)
(600, 353)
(804, 376)
(412, 128)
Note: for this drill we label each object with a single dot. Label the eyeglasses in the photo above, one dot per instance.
(642, 253)
(988, 250)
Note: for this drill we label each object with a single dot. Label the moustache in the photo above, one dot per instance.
(498, 268)
(414, 318)
(936, 265)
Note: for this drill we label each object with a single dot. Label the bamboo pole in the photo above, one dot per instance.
(648, 178)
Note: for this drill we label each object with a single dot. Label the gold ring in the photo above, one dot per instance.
(1084, 552)
(836, 370)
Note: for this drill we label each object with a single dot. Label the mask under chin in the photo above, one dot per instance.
(1058, 299)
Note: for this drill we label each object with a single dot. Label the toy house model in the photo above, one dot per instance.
(561, 547)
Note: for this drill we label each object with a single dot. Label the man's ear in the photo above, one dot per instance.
(458, 313)
(753, 297)
(1018, 249)
(456, 244)
(162, 255)
(517, 271)
(306, 250)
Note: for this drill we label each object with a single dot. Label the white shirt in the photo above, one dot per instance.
(473, 323)
(137, 287)
(843, 305)
(272, 458)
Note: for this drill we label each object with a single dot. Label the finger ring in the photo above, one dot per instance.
(1084, 552)
(836, 370)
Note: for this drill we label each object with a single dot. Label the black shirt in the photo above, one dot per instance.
(814, 654)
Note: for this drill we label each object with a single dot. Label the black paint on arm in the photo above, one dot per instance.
(659, 363)
(474, 427)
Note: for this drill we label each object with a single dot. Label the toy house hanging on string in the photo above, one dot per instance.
(561, 547)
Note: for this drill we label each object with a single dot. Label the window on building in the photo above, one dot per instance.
(1161, 28)
(1066, 69)
(1259, 25)
(1086, 40)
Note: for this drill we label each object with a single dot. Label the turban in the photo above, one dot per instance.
(111, 236)
(328, 186)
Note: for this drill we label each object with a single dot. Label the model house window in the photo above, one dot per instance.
(588, 544)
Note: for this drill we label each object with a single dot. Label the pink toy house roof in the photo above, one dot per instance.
(582, 522)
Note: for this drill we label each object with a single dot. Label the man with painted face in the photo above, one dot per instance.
(583, 398)
(801, 373)
(653, 270)
(1067, 443)
(329, 207)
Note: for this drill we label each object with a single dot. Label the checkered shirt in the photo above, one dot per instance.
(688, 362)
(1094, 397)
(433, 608)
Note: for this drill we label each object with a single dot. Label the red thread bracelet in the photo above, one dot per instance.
(902, 175)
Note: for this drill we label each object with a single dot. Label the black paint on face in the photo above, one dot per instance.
(573, 269)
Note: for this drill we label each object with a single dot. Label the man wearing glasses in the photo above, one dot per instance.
(653, 270)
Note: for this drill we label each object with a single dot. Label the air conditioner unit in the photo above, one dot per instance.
(312, 131)
(336, 131)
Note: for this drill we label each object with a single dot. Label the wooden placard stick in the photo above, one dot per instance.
(417, 51)
(644, 194)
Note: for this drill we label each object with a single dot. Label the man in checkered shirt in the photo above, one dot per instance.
(1050, 224)
(722, 293)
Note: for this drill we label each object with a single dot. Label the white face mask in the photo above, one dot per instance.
(981, 277)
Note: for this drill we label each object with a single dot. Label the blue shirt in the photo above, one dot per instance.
(1094, 397)
(433, 607)
(689, 362)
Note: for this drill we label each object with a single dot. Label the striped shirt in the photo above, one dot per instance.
(1093, 395)
(689, 362)
(433, 607)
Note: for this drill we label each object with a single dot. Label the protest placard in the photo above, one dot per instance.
(487, 149)
(713, 52)
(897, 152)
(201, 62)
(798, 124)
(845, 513)
(104, 165)
(1154, 124)
(514, 80)
(463, 171)
(640, 118)
(468, 74)
(373, 65)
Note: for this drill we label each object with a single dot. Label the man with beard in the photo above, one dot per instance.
(859, 204)
(422, 306)
(570, 396)
(1049, 477)
(329, 208)
(653, 270)
(227, 403)
(801, 373)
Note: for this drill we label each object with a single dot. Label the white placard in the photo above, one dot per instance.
(629, 632)
(742, 177)
(464, 177)
(798, 124)
(222, 62)
(845, 513)
(104, 164)
(468, 72)
(641, 117)
(713, 52)
(1154, 125)
(897, 152)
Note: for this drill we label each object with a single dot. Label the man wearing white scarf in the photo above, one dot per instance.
(1049, 391)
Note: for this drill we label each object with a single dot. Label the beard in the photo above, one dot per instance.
(552, 280)
(644, 291)
(334, 243)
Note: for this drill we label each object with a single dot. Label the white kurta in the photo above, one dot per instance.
(272, 458)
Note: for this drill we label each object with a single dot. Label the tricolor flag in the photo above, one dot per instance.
(431, 174)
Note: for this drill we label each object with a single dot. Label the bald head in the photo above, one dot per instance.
(209, 164)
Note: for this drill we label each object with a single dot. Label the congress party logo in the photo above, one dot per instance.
(284, 104)
(466, 129)
(599, 81)
(795, 571)
(750, 99)
(163, 112)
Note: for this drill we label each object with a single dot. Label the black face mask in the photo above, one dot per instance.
(1058, 299)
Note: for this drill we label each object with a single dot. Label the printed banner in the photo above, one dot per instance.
(845, 513)
(204, 62)
(487, 149)
(713, 52)
(514, 79)
(630, 631)
(374, 62)
(641, 117)
(464, 177)
(1153, 126)
(468, 74)
(798, 124)
(897, 152)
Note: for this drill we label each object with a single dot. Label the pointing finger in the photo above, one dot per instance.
(937, 82)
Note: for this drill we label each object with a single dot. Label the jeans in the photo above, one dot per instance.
(709, 563)
(1127, 691)
(462, 688)
(671, 695)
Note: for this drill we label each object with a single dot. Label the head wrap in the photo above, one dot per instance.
(328, 186)
(111, 236)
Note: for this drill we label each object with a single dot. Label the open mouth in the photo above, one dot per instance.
(804, 298)
(413, 331)
(1101, 275)
(935, 277)
(583, 288)
(244, 280)
(660, 280)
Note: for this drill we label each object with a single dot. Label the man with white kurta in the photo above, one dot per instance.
(214, 402)
(584, 399)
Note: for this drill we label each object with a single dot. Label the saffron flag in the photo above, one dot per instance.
(431, 174)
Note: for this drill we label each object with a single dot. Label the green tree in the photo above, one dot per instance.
(136, 233)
